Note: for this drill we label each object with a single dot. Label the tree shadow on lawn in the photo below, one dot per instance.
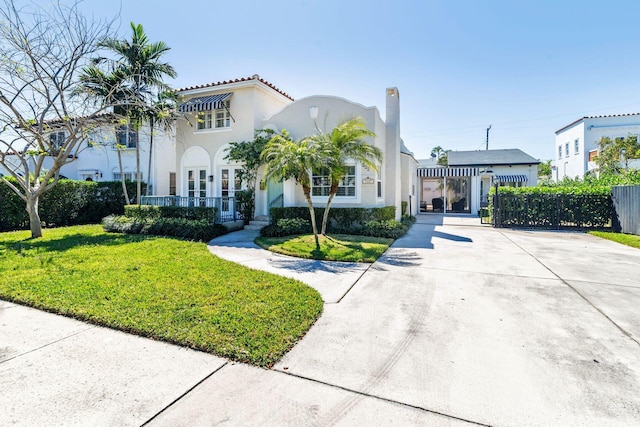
(73, 241)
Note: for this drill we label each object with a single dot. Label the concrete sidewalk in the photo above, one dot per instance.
(457, 324)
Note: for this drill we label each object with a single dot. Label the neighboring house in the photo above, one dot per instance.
(219, 113)
(463, 186)
(577, 143)
(97, 158)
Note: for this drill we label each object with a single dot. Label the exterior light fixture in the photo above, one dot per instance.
(210, 178)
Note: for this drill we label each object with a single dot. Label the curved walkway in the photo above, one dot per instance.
(454, 325)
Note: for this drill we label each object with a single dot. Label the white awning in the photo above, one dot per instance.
(442, 172)
(204, 103)
(511, 178)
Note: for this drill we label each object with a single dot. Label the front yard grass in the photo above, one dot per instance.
(337, 247)
(626, 239)
(168, 289)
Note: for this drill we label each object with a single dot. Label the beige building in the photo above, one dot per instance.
(219, 113)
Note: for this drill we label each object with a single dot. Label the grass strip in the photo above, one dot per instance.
(167, 289)
(338, 247)
(626, 239)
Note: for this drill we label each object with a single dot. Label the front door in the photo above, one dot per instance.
(197, 186)
(229, 184)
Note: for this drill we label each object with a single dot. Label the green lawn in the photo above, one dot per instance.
(626, 239)
(338, 247)
(168, 289)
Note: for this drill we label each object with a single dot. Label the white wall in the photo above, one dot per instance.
(250, 103)
(589, 131)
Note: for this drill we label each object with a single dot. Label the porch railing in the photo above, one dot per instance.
(225, 207)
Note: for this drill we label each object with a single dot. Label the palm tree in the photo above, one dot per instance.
(163, 114)
(140, 61)
(108, 89)
(346, 141)
(288, 159)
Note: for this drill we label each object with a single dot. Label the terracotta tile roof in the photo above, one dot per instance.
(243, 79)
(595, 117)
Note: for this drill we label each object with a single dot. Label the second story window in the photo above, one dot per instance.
(57, 140)
(560, 151)
(126, 136)
(215, 119)
(566, 149)
(576, 146)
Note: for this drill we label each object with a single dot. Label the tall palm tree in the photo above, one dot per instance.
(141, 61)
(163, 114)
(289, 159)
(107, 89)
(346, 141)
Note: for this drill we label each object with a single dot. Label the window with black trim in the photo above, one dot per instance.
(127, 136)
(321, 183)
(57, 139)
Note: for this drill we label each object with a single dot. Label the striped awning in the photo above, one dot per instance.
(442, 172)
(511, 178)
(204, 103)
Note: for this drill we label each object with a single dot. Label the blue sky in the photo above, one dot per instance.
(525, 67)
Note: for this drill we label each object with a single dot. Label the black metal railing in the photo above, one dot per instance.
(225, 207)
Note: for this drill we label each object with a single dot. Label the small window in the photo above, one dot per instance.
(127, 176)
(566, 149)
(215, 119)
(576, 146)
(127, 136)
(57, 140)
(379, 185)
(560, 151)
(172, 183)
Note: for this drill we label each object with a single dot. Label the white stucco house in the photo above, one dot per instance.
(463, 185)
(97, 158)
(576, 144)
(219, 113)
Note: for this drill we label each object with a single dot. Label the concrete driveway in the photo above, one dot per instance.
(457, 324)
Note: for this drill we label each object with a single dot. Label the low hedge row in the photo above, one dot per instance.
(389, 228)
(195, 213)
(341, 220)
(68, 203)
(197, 230)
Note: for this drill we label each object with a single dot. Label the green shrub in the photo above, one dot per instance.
(68, 203)
(577, 204)
(245, 203)
(195, 213)
(287, 227)
(197, 230)
(341, 220)
(389, 228)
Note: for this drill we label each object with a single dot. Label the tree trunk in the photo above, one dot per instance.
(138, 181)
(332, 192)
(151, 125)
(307, 196)
(34, 218)
(124, 185)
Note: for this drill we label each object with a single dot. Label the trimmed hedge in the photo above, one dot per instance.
(197, 230)
(341, 220)
(68, 203)
(194, 213)
(560, 206)
(389, 228)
